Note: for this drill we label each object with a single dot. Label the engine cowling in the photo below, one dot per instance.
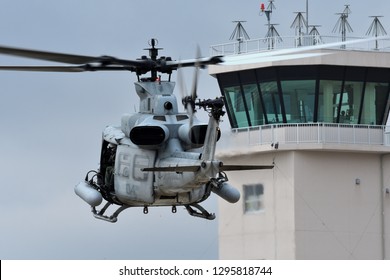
(193, 136)
(149, 136)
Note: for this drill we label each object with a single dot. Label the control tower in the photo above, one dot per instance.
(319, 114)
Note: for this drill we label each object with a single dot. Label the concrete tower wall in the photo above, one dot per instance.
(269, 232)
(317, 204)
(338, 205)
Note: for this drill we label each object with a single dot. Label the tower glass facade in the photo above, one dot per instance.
(306, 94)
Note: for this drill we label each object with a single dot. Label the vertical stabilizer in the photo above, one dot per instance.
(210, 142)
(215, 111)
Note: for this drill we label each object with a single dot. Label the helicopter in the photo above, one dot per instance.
(158, 156)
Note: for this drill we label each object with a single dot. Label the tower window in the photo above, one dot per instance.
(253, 198)
(306, 94)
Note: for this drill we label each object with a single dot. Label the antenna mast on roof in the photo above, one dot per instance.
(376, 29)
(315, 34)
(298, 23)
(342, 24)
(272, 34)
(307, 16)
(268, 11)
(239, 34)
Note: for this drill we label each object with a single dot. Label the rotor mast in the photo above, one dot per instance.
(153, 53)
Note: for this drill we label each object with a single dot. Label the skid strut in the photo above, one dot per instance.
(202, 214)
(113, 218)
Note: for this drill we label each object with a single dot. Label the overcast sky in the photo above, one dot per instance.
(51, 123)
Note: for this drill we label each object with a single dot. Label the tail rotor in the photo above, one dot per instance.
(189, 100)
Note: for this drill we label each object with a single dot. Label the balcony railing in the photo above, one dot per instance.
(277, 43)
(324, 133)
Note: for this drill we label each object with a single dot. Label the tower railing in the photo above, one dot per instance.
(277, 43)
(321, 133)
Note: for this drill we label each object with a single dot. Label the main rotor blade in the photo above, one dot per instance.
(69, 69)
(44, 68)
(244, 167)
(76, 59)
(49, 56)
(141, 66)
(201, 62)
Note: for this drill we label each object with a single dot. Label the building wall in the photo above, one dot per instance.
(318, 204)
(385, 159)
(269, 233)
(336, 216)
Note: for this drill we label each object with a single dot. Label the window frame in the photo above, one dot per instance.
(254, 196)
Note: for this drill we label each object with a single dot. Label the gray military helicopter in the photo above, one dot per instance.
(158, 156)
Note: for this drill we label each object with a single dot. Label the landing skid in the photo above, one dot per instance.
(202, 214)
(113, 218)
(99, 214)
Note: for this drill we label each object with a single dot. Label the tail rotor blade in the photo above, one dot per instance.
(194, 89)
(186, 99)
(180, 80)
(194, 94)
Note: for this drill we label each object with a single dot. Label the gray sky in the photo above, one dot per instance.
(52, 123)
